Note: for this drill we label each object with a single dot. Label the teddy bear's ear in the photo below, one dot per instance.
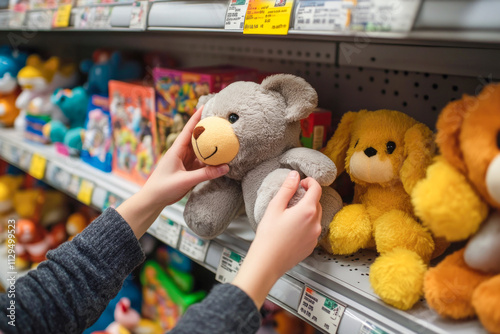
(337, 146)
(300, 97)
(203, 99)
(448, 127)
(418, 151)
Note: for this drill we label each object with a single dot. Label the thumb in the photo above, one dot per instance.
(287, 190)
(207, 173)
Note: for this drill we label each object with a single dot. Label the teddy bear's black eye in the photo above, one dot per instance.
(391, 146)
(357, 141)
(498, 139)
(233, 118)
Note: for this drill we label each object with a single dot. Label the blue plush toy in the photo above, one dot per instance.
(10, 64)
(73, 104)
(114, 68)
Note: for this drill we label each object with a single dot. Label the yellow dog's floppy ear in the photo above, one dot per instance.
(448, 127)
(337, 146)
(419, 151)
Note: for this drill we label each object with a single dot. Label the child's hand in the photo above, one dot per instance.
(285, 237)
(176, 173)
(179, 170)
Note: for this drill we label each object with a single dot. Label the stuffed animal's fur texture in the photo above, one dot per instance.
(385, 153)
(454, 199)
(255, 129)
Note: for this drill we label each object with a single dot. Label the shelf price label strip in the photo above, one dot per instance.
(167, 231)
(37, 166)
(320, 310)
(268, 17)
(193, 246)
(235, 15)
(85, 192)
(62, 16)
(229, 265)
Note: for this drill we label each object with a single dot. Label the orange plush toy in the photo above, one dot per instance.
(460, 198)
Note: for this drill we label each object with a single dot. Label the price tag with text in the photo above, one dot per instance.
(85, 192)
(320, 310)
(229, 265)
(62, 16)
(323, 15)
(139, 15)
(168, 231)
(37, 166)
(268, 17)
(193, 246)
(12, 153)
(235, 15)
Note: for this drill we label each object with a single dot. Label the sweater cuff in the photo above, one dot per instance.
(248, 317)
(112, 234)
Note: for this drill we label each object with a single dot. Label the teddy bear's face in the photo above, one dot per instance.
(243, 125)
(376, 149)
(480, 144)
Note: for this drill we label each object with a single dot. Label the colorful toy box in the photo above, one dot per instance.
(97, 147)
(132, 108)
(316, 129)
(163, 300)
(178, 91)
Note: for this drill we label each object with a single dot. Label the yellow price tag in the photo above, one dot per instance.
(268, 17)
(85, 192)
(61, 18)
(37, 166)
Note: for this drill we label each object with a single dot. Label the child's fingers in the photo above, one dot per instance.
(207, 173)
(313, 191)
(287, 190)
(184, 138)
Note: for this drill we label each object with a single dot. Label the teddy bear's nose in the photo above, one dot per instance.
(198, 131)
(370, 151)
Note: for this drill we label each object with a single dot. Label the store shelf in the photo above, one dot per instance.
(343, 279)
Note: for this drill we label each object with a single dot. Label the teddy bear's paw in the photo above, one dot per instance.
(449, 286)
(397, 229)
(350, 230)
(397, 277)
(485, 300)
(447, 204)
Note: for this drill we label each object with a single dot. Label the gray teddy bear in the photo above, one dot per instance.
(255, 130)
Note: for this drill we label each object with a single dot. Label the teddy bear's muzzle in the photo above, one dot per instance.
(214, 141)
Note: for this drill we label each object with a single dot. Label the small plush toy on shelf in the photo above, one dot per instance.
(10, 64)
(255, 130)
(39, 80)
(385, 153)
(460, 199)
(67, 135)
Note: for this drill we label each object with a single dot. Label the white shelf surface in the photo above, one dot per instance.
(342, 278)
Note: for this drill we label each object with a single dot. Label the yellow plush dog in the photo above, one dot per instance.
(385, 153)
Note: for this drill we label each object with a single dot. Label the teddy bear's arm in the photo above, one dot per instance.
(212, 205)
(311, 163)
(446, 202)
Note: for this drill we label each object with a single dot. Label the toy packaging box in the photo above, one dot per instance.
(316, 129)
(163, 299)
(132, 108)
(178, 91)
(98, 143)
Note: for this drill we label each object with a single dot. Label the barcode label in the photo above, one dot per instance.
(229, 265)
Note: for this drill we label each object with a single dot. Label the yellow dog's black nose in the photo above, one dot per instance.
(370, 151)
(198, 131)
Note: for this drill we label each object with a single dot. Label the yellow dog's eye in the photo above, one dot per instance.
(498, 139)
(391, 146)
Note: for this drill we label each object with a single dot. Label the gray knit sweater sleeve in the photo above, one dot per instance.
(68, 292)
(227, 309)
